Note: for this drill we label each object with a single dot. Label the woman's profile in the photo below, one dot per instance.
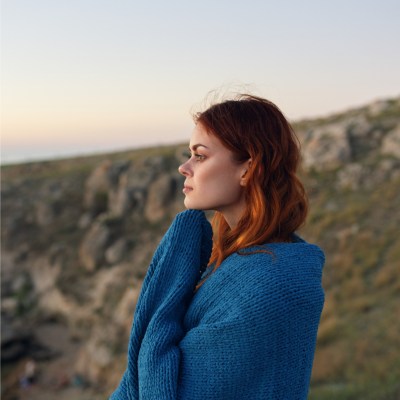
(231, 311)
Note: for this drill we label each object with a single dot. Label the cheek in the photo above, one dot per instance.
(221, 185)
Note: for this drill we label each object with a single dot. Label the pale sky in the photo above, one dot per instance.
(83, 76)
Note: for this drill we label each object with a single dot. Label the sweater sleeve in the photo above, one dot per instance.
(153, 354)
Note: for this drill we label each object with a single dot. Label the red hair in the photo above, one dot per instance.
(276, 203)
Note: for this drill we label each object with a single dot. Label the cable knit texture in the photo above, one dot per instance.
(249, 332)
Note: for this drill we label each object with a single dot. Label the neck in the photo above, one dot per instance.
(233, 214)
(232, 218)
(231, 221)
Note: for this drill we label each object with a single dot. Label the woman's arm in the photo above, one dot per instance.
(153, 355)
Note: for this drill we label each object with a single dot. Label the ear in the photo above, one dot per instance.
(246, 167)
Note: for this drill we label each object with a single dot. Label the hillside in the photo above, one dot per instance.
(77, 236)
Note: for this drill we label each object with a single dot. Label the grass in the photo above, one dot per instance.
(358, 338)
(369, 391)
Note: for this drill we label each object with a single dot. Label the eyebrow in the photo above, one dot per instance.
(195, 146)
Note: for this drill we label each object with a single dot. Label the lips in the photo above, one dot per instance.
(187, 189)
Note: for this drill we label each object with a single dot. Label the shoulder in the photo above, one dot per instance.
(286, 270)
(263, 285)
(277, 260)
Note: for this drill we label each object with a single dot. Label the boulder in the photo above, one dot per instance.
(391, 143)
(117, 251)
(85, 220)
(46, 212)
(351, 176)
(106, 341)
(97, 355)
(131, 192)
(102, 180)
(44, 275)
(161, 193)
(107, 286)
(326, 147)
(94, 244)
(122, 199)
(123, 315)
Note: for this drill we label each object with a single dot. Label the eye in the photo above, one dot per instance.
(199, 157)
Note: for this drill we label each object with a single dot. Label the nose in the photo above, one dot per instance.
(184, 169)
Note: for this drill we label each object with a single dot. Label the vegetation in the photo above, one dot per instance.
(358, 342)
(357, 225)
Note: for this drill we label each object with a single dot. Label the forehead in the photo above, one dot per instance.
(200, 137)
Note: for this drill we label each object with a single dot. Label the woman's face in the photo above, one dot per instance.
(214, 181)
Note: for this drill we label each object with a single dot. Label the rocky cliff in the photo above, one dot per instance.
(78, 234)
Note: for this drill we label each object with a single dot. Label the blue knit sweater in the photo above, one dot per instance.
(249, 332)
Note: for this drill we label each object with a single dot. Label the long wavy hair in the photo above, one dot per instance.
(276, 202)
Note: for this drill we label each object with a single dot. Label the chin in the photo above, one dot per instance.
(190, 205)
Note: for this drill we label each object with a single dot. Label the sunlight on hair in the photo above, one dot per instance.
(227, 91)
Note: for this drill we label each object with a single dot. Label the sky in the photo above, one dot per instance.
(87, 76)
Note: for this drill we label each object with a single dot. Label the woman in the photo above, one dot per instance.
(244, 327)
